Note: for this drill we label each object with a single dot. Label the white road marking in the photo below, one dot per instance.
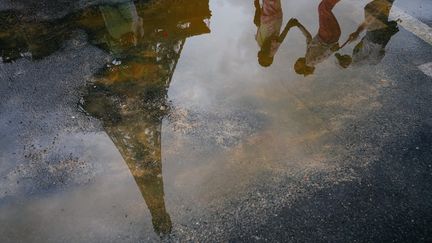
(418, 28)
(408, 22)
(413, 25)
(426, 69)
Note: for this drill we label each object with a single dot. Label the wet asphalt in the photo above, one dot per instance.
(388, 201)
(391, 200)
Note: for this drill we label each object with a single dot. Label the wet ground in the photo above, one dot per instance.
(226, 121)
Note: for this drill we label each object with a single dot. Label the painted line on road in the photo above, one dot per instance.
(418, 28)
(426, 69)
(408, 22)
(412, 24)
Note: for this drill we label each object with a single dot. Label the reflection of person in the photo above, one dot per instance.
(324, 44)
(379, 31)
(268, 19)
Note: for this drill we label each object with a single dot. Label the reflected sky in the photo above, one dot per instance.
(193, 113)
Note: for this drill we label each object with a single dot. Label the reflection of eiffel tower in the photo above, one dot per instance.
(131, 98)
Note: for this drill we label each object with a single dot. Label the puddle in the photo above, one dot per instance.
(179, 120)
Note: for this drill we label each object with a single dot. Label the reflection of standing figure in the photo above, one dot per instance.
(379, 31)
(324, 44)
(268, 19)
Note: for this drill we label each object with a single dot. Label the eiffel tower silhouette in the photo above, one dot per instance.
(129, 96)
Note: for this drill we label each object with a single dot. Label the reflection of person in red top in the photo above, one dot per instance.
(268, 19)
(324, 44)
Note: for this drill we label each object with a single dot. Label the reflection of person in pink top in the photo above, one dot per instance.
(268, 19)
(324, 44)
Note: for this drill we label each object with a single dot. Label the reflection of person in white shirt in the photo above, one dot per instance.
(269, 19)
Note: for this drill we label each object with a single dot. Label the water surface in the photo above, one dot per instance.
(175, 120)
